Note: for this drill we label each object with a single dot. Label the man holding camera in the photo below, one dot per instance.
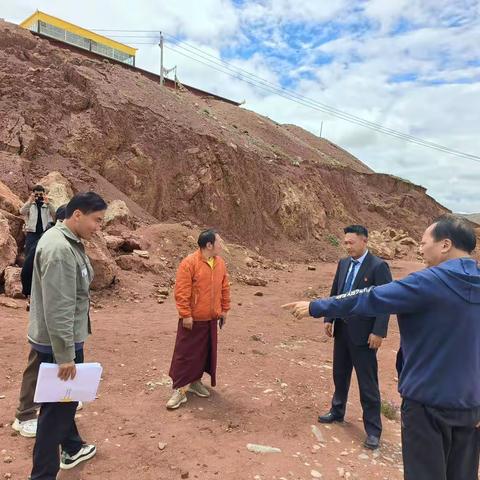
(39, 213)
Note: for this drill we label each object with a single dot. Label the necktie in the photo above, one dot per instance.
(39, 226)
(351, 277)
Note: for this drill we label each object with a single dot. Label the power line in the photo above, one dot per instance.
(239, 73)
(312, 105)
(341, 114)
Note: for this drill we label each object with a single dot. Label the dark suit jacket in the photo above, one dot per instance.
(373, 271)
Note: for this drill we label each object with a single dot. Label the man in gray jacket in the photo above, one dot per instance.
(26, 415)
(60, 324)
(38, 212)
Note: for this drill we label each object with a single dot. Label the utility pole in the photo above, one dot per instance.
(321, 129)
(161, 58)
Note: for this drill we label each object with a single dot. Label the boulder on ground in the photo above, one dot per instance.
(131, 242)
(114, 242)
(59, 189)
(254, 281)
(134, 263)
(382, 250)
(7, 302)
(102, 262)
(401, 251)
(250, 262)
(9, 201)
(16, 224)
(13, 282)
(8, 246)
(131, 262)
(142, 253)
(408, 241)
(391, 243)
(118, 213)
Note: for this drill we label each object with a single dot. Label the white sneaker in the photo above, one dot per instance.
(199, 389)
(177, 399)
(80, 406)
(85, 453)
(28, 428)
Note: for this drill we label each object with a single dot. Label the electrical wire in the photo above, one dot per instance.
(196, 54)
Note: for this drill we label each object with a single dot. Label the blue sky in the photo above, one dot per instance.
(411, 65)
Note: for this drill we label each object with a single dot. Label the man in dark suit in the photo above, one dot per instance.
(356, 340)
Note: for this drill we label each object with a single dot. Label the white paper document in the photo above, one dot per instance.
(82, 388)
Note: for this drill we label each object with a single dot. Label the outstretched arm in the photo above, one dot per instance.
(381, 276)
(334, 290)
(403, 296)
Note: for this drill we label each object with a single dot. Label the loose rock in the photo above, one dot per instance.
(253, 447)
(13, 282)
(318, 434)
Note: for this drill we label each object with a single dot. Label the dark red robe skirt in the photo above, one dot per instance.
(195, 353)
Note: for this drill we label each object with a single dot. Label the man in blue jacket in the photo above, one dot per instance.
(439, 319)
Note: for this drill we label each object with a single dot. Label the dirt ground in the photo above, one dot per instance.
(274, 378)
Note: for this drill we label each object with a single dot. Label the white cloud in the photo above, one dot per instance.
(421, 12)
(208, 21)
(282, 11)
(386, 13)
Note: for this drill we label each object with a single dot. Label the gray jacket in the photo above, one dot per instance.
(30, 211)
(60, 299)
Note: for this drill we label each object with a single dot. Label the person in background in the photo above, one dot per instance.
(202, 294)
(38, 214)
(27, 269)
(26, 415)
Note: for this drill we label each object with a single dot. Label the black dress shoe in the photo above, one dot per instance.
(371, 442)
(330, 418)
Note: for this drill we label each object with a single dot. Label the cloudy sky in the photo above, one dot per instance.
(410, 65)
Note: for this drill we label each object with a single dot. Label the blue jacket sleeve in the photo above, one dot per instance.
(334, 289)
(381, 276)
(408, 295)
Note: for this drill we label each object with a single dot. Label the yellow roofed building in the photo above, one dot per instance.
(63, 31)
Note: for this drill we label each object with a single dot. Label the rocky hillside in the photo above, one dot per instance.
(173, 157)
(473, 217)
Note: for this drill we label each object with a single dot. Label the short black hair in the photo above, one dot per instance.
(207, 236)
(357, 229)
(38, 188)
(87, 202)
(61, 212)
(457, 230)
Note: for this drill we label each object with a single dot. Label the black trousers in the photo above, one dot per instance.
(31, 239)
(346, 357)
(438, 443)
(56, 427)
